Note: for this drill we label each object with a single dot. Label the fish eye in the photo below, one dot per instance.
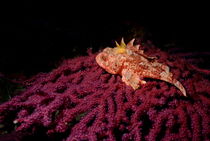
(104, 58)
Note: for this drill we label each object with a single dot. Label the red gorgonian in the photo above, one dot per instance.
(81, 101)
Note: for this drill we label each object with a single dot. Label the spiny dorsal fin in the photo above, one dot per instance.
(121, 48)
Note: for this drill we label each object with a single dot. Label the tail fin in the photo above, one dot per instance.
(179, 86)
(168, 77)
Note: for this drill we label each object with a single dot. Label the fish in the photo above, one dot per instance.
(129, 61)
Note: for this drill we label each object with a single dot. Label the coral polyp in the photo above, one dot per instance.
(81, 101)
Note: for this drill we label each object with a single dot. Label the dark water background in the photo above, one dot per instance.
(35, 36)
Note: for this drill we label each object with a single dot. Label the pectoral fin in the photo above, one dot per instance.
(132, 79)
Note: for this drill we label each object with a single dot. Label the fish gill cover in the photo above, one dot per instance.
(81, 101)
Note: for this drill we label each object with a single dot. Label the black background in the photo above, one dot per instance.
(36, 35)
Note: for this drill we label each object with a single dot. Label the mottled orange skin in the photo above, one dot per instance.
(133, 65)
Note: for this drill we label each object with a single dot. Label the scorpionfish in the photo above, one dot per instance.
(133, 65)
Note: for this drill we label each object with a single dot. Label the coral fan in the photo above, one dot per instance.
(81, 101)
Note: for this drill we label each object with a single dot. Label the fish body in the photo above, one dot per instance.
(133, 65)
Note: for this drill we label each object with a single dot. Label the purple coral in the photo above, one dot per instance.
(80, 101)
